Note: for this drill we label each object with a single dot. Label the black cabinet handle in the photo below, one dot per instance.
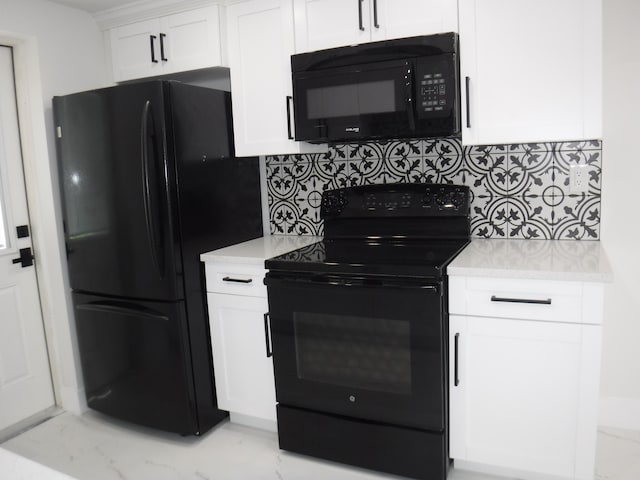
(360, 24)
(267, 335)
(289, 99)
(25, 259)
(162, 57)
(237, 280)
(152, 39)
(375, 14)
(456, 378)
(520, 300)
(468, 83)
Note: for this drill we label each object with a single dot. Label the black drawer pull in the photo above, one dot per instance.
(520, 300)
(237, 280)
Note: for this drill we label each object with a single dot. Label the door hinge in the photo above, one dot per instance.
(59, 131)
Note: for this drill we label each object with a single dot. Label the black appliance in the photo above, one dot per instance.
(391, 89)
(358, 328)
(149, 182)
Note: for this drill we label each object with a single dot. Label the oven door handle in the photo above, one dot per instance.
(429, 286)
(267, 335)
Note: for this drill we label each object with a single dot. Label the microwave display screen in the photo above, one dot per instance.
(351, 100)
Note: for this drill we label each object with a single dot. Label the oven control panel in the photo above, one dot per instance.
(397, 200)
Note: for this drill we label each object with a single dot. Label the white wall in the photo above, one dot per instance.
(57, 50)
(620, 227)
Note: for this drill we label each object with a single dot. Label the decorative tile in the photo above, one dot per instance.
(577, 217)
(518, 190)
(530, 217)
(489, 216)
(486, 170)
(564, 159)
(529, 172)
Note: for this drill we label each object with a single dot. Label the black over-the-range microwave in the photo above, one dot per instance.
(382, 90)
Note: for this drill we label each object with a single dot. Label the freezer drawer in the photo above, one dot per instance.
(135, 359)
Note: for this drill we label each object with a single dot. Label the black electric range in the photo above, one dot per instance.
(358, 325)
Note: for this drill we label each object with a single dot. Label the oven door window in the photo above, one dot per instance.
(364, 353)
(369, 352)
(351, 102)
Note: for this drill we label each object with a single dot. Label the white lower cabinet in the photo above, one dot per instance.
(524, 376)
(243, 371)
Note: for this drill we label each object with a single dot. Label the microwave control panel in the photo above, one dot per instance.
(435, 86)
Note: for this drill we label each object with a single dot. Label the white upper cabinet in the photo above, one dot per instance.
(530, 71)
(324, 24)
(260, 45)
(174, 43)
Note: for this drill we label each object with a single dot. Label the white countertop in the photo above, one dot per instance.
(533, 259)
(15, 467)
(256, 251)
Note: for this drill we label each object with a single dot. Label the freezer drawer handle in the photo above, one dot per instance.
(521, 300)
(237, 280)
(267, 335)
(112, 308)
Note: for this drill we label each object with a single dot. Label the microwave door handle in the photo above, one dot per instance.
(409, 82)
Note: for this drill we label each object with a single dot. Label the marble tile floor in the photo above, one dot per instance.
(94, 447)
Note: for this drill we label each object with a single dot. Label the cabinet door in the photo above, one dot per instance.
(260, 39)
(192, 39)
(244, 373)
(533, 70)
(524, 394)
(324, 24)
(131, 50)
(408, 18)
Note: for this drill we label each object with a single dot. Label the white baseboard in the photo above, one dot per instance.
(253, 422)
(73, 400)
(619, 412)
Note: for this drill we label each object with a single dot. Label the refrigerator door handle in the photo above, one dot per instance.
(112, 307)
(146, 189)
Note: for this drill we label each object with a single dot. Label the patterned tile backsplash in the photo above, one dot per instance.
(518, 191)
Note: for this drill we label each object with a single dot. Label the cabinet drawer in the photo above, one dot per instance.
(554, 301)
(236, 279)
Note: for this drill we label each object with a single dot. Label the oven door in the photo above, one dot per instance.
(371, 348)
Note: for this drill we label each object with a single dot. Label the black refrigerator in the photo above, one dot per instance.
(149, 182)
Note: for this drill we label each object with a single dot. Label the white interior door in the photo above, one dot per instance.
(25, 377)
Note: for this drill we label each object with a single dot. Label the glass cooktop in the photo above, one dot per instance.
(369, 257)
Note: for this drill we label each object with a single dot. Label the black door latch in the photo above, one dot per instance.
(25, 258)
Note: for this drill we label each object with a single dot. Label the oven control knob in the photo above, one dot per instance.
(332, 204)
(458, 199)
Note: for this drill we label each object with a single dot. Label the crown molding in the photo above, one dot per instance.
(146, 9)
